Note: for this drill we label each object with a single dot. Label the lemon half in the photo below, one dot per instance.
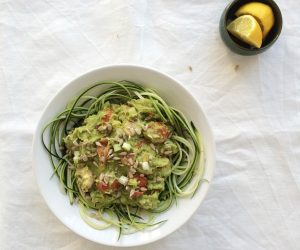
(262, 12)
(247, 29)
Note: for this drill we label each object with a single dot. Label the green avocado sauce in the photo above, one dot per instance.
(122, 155)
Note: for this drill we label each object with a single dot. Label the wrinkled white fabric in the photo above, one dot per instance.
(252, 103)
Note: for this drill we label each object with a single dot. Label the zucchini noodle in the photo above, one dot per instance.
(187, 164)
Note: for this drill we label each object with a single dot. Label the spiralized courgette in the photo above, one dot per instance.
(187, 163)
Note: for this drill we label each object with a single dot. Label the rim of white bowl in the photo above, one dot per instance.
(209, 130)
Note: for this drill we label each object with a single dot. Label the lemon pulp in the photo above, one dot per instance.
(247, 29)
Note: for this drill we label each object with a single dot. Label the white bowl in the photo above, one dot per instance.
(176, 95)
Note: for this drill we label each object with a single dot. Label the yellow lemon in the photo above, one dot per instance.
(262, 12)
(247, 29)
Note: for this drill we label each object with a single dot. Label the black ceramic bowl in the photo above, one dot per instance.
(240, 47)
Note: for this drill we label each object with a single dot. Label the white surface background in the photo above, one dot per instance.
(254, 110)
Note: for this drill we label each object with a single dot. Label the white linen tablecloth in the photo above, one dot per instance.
(252, 103)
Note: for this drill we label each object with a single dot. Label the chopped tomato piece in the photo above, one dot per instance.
(115, 185)
(163, 130)
(142, 180)
(104, 141)
(137, 194)
(106, 117)
(103, 152)
(102, 186)
(157, 132)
